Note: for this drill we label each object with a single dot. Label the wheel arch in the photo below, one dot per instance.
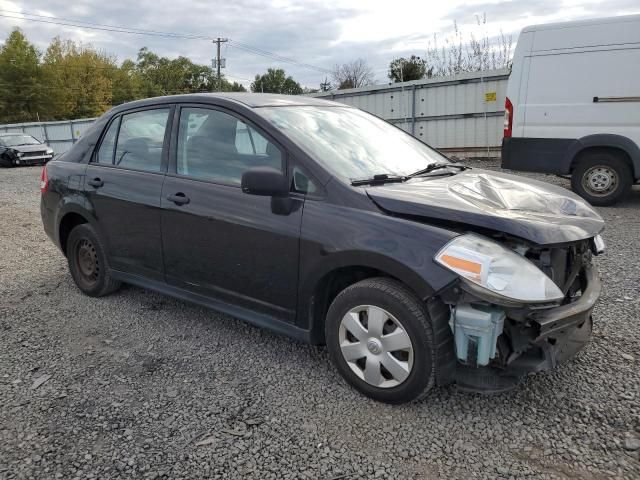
(625, 147)
(320, 289)
(69, 217)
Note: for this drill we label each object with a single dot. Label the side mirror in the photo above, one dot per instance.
(265, 181)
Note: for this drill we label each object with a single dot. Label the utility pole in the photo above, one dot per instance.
(218, 62)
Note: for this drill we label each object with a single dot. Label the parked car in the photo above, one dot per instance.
(22, 149)
(327, 224)
(573, 105)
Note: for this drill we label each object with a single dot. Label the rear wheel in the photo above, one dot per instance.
(602, 177)
(88, 263)
(380, 338)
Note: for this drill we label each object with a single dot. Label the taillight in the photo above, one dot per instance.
(44, 180)
(508, 117)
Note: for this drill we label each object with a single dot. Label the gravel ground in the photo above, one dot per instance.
(138, 385)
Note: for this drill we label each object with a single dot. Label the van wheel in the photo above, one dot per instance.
(602, 178)
(380, 337)
(88, 262)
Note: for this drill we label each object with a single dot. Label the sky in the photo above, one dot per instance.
(319, 34)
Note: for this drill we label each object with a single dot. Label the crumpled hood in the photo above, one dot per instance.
(536, 211)
(29, 148)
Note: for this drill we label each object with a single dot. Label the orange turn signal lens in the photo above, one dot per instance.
(462, 265)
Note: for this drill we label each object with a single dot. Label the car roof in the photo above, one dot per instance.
(252, 100)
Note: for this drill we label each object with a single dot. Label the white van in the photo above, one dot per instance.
(573, 105)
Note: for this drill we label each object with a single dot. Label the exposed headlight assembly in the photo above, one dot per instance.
(496, 268)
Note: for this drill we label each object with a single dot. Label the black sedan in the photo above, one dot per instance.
(327, 224)
(21, 149)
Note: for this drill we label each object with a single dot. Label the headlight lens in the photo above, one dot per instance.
(498, 269)
(20, 154)
(49, 151)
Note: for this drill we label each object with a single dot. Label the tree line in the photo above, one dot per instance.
(72, 80)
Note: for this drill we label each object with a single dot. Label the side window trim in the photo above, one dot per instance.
(320, 192)
(164, 162)
(105, 131)
(172, 169)
(115, 143)
(253, 145)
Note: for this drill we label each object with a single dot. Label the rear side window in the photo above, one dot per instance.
(216, 146)
(140, 140)
(105, 153)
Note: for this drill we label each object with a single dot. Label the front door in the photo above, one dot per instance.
(219, 241)
(123, 184)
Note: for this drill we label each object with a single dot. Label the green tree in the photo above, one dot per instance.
(407, 69)
(224, 85)
(276, 81)
(72, 80)
(79, 80)
(21, 95)
(126, 83)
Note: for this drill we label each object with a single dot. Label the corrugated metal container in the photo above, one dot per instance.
(60, 136)
(461, 115)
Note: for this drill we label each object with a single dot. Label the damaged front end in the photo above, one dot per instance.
(498, 338)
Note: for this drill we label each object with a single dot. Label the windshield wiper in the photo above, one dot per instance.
(436, 166)
(379, 179)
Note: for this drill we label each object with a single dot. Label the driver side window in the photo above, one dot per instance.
(216, 146)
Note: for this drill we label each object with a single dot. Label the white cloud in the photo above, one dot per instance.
(316, 32)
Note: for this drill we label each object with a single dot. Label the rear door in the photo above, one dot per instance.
(218, 241)
(123, 184)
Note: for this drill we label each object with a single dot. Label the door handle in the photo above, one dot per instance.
(178, 198)
(96, 182)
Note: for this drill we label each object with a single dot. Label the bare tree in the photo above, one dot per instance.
(354, 74)
(476, 54)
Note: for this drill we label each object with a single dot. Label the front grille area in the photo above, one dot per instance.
(42, 153)
(563, 265)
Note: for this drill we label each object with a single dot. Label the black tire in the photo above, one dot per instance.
(4, 163)
(413, 314)
(612, 166)
(88, 263)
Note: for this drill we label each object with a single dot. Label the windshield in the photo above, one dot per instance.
(351, 143)
(15, 140)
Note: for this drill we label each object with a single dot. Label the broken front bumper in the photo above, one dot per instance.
(560, 332)
(533, 339)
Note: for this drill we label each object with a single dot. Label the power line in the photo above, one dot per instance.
(264, 53)
(138, 31)
(97, 26)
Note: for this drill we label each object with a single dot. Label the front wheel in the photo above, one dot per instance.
(602, 178)
(380, 338)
